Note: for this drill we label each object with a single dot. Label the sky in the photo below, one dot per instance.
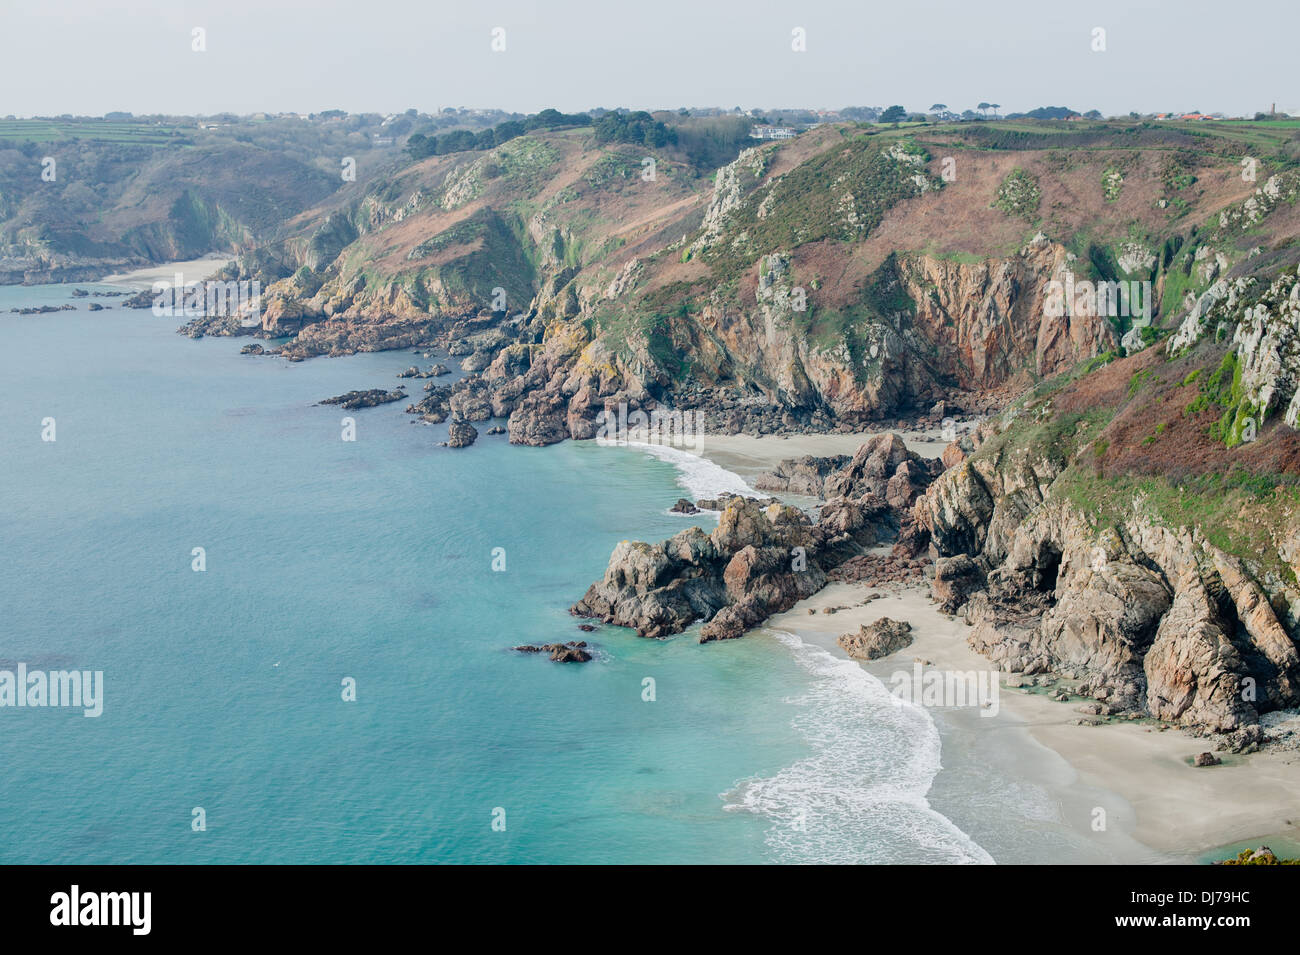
(88, 57)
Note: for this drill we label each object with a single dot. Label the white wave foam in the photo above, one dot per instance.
(699, 476)
(860, 798)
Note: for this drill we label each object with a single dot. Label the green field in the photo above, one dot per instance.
(54, 130)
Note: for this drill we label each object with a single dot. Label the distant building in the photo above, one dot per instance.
(772, 132)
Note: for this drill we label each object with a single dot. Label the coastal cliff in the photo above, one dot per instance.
(1135, 528)
(810, 286)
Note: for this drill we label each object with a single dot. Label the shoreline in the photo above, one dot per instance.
(194, 270)
(1158, 807)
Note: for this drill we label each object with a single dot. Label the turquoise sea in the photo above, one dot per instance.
(373, 560)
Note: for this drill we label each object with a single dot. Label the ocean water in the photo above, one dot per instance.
(372, 560)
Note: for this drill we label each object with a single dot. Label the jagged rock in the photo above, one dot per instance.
(877, 640)
(1192, 669)
(1206, 759)
(571, 652)
(955, 579)
(684, 506)
(762, 557)
(539, 419)
(806, 475)
(460, 434)
(1154, 621)
(471, 405)
(883, 466)
(1245, 740)
(748, 564)
(352, 400)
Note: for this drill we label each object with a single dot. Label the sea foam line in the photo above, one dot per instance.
(860, 797)
(699, 476)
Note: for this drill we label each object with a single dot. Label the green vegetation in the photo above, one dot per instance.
(1244, 858)
(1100, 361)
(95, 131)
(841, 194)
(638, 128)
(708, 142)
(1241, 513)
(1019, 195)
(421, 146)
(1112, 183)
(613, 169)
(1222, 392)
(1139, 379)
(486, 253)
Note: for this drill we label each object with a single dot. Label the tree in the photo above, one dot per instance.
(995, 107)
(983, 108)
(895, 114)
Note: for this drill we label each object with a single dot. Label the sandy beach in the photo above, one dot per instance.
(1134, 777)
(748, 455)
(193, 270)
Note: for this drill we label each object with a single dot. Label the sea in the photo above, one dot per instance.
(306, 642)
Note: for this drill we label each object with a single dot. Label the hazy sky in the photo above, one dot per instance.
(93, 56)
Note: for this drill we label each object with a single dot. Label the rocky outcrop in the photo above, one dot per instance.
(575, 651)
(761, 558)
(989, 319)
(956, 579)
(460, 433)
(352, 400)
(882, 466)
(877, 640)
(1267, 339)
(1153, 620)
(805, 475)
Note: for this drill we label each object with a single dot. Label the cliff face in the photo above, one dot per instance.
(1155, 620)
(834, 279)
(1179, 602)
(113, 206)
(989, 321)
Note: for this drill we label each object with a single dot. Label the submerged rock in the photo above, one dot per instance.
(575, 651)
